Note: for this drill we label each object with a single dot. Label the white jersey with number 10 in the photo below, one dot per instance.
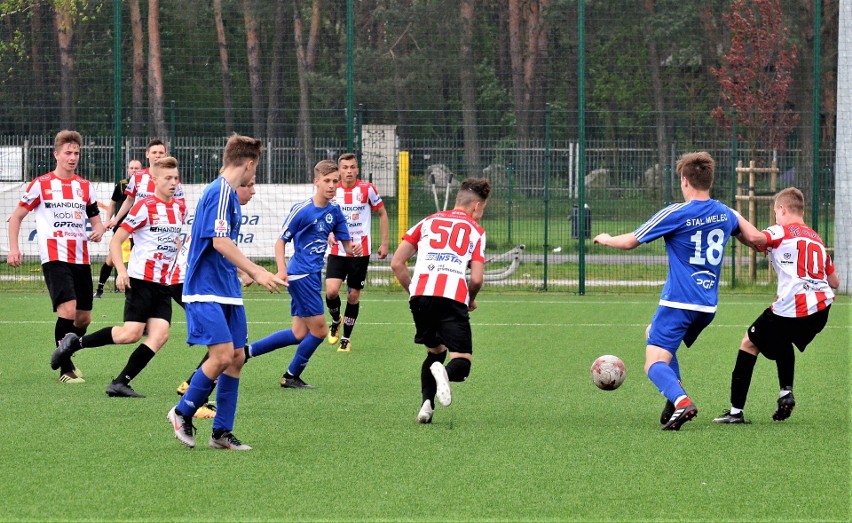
(446, 243)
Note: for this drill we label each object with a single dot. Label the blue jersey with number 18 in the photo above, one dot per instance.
(695, 233)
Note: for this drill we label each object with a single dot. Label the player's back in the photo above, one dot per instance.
(802, 264)
(695, 233)
(446, 242)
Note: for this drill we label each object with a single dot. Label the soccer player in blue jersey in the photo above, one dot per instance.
(307, 226)
(212, 293)
(695, 232)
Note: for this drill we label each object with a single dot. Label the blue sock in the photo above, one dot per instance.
(675, 365)
(226, 403)
(665, 379)
(197, 393)
(274, 341)
(303, 354)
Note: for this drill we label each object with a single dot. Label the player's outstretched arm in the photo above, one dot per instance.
(749, 235)
(403, 253)
(625, 242)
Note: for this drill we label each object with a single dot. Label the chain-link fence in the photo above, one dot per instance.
(572, 110)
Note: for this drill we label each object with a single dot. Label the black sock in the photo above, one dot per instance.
(63, 326)
(349, 318)
(458, 369)
(786, 363)
(99, 338)
(427, 382)
(200, 363)
(333, 308)
(741, 378)
(137, 361)
(103, 277)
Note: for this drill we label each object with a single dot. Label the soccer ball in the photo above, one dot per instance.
(608, 372)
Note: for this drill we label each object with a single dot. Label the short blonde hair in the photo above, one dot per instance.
(164, 163)
(792, 199)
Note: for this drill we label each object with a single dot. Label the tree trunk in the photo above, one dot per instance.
(64, 23)
(253, 57)
(468, 89)
(659, 106)
(155, 72)
(313, 38)
(137, 126)
(40, 95)
(276, 73)
(224, 65)
(517, 63)
(304, 129)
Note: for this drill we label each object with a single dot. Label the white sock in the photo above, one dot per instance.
(735, 411)
(784, 392)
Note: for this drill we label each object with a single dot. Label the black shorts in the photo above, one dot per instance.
(771, 333)
(351, 269)
(176, 291)
(145, 300)
(441, 321)
(67, 282)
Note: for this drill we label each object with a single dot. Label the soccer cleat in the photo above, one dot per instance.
(345, 345)
(668, 410)
(681, 416)
(785, 407)
(65, 378)
(181, 390)
(77, 371)
(727, 417)
(227, 441)
(206, 411)
(333, 332)
(184, 431)
(122, 390)
(445, 394)
(425, 414)
(98, 295)
(294, 382)
(64, 350)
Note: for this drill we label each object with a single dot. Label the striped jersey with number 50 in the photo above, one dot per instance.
(446, 243)
(802, 265)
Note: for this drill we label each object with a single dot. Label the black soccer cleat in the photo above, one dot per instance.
(785, 407)
(727, 417)
(294, 382)
(122, 390)
(64, 350)
(668, 410)
(681, 416)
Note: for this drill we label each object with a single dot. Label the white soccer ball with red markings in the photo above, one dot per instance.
(608, 372)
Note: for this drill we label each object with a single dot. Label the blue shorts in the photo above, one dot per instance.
(306, 296)
(670, 327)
(210, 323)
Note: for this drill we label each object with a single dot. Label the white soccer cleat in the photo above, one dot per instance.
(425, 414)
(184, 431)
(445, 394)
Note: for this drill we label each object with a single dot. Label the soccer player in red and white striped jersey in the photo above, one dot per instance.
(155, 223)
(357, 199)
(806, 283)
(141, 185)
(441, 296)
(62, 201)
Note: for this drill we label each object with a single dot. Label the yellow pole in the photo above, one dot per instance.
(402, 207)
